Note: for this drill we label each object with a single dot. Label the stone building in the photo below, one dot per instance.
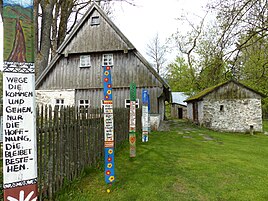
(229, 106)
(178, 106)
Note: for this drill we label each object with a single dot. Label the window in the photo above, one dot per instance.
(127, 103)
(107, 60)
(59, 103)
(95, 20)
(85, 61)
(84, 105)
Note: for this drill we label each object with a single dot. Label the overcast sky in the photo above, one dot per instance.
(142, 22)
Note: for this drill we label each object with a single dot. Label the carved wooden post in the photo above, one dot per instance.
(108, 126)
(132, 120)
(19, 126)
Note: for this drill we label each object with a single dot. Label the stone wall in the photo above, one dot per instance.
(238, 115)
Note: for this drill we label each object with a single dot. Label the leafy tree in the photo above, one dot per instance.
(205, 60)
(179, 76)
(236, 19)
(254, 66)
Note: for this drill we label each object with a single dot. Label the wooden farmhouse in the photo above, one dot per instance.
(74, 76)
(230, 106)
(178, 106)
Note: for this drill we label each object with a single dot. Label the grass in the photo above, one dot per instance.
(185, 163)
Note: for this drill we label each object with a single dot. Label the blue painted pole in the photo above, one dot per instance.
(145, 116)
(108, 126)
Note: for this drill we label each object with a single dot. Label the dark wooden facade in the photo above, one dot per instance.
(96, 39)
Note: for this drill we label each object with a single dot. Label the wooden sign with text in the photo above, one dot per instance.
(108, 126)
(19, 129)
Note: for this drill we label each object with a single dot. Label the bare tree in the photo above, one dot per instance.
(157, 52)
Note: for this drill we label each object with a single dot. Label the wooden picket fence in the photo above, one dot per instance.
(68, 140)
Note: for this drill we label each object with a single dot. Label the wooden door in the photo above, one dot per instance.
(195, 112)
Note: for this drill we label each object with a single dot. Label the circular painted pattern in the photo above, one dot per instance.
(110, 151)
(108, 172)
(111, 178)
(109, 159)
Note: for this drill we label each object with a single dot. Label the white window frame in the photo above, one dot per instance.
(95, 20)
(107, 60)
(85, 61)
(59, 102)
(127, 103)
(85, 103)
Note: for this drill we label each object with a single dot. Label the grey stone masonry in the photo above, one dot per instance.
(235, 115)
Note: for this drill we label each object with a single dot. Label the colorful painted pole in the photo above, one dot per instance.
(132, 120)
(145, 116)
(149, 109)
(108, 126)
(19, 143)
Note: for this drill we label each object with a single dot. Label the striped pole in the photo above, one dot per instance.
(19, 126)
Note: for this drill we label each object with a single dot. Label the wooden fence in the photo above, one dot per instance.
(70, 140)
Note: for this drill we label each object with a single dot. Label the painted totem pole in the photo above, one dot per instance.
(132, 120)
(145, 116)
(19, 129)
(108, 126)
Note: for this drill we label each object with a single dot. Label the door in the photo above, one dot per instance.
(195, 112)
(180, 116)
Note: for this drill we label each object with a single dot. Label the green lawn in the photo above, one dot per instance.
(185, 163)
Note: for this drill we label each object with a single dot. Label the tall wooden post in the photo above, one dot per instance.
(108, 126)
(145, 116)
(19, 126)
(132, 120)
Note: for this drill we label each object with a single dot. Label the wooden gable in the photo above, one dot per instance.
(64, 72)
(95, 26)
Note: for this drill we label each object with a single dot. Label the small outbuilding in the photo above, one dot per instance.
(229, 106)
(178, 106)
